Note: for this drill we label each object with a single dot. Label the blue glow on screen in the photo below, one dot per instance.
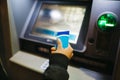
(52, 33)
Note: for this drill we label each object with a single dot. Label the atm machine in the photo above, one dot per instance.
(94, 27)
(94, 30)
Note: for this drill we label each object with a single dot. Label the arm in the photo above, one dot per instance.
(59, 61)
(57, 69)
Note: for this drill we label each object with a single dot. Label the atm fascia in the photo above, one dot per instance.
(40, 45)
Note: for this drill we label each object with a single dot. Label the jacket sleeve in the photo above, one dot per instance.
(57, 69)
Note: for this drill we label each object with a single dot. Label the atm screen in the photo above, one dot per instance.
(53, 18)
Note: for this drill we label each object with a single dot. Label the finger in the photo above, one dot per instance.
(52, 52)
(53, 49)
(72, 54)
(69, 47)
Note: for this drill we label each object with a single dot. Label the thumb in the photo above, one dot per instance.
(59, 43)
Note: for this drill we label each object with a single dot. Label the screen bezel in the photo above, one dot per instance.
(80, 44)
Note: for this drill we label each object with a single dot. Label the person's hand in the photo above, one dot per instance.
(68, 52)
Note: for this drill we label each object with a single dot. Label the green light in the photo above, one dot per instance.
(107, 22)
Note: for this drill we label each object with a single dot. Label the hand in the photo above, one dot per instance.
(68, 52)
